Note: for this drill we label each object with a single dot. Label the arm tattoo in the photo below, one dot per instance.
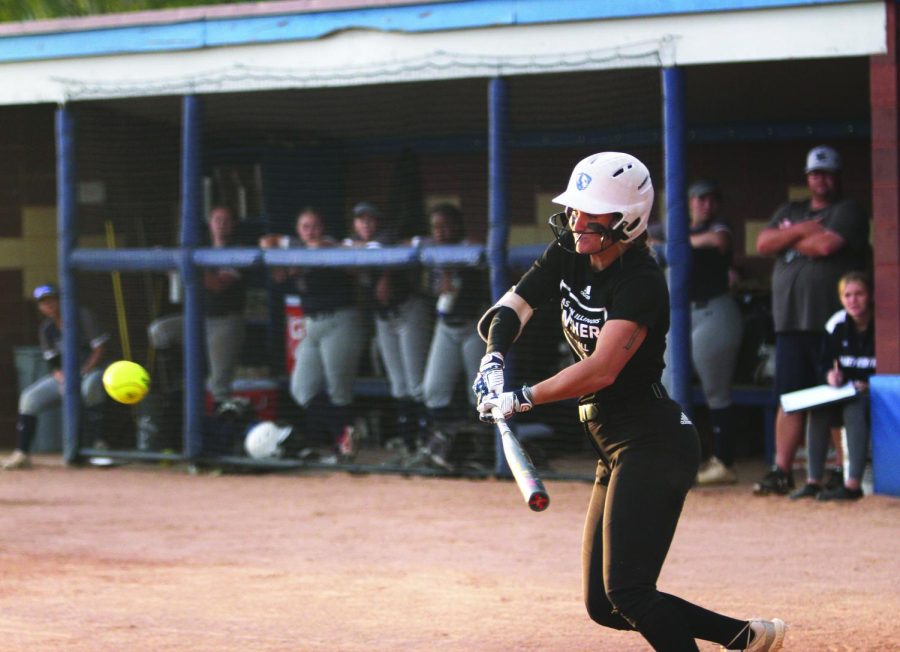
(631, 339)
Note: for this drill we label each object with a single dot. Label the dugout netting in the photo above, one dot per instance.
(404, 147)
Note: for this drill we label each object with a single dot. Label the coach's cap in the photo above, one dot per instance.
(703, 187)
(44, 291)
(824, 158)
(366, 208)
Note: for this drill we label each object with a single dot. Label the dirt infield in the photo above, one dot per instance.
(139, 558)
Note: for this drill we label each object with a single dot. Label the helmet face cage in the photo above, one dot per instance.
(562, 226)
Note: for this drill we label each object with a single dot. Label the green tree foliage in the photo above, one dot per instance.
(19, 10)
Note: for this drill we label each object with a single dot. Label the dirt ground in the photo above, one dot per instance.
(142, 558)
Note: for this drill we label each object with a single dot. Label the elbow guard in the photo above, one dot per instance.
(509, 300)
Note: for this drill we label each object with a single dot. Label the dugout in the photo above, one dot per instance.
(254, 157)
(488, 112)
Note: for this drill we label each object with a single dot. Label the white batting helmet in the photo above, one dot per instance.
(264, 440)
(612, 182)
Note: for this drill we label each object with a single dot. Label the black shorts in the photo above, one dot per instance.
(797, 359)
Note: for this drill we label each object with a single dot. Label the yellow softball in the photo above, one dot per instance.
(126, 381)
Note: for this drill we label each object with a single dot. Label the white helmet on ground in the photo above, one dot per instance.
(612, 182)
(264, 440)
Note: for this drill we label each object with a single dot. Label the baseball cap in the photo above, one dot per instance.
(44, 291)
(703, 187)
(366, 208)
(823, 157)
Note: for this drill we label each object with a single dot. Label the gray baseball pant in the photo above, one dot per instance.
(224, 339)
(403, 343)
(47, 392)
(716, 331)
(855, 415)
(454, 349)
(329, 355)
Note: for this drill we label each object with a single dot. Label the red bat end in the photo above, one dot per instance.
(539, 502)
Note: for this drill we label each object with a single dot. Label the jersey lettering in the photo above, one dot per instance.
(856, 362)
(581, 322)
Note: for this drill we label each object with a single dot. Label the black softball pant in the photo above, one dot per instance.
(649, 459)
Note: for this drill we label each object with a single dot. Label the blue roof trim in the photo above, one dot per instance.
(462, 14)
(122, 40)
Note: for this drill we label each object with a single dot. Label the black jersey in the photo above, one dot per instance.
(633, 288)
(709, 268)
(51, 338)
(324, 289)
(231, 300)
(854, 350)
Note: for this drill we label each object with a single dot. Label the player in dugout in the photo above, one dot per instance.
(615, 314)
(47, 391)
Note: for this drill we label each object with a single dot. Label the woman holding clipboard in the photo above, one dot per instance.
(848, 357)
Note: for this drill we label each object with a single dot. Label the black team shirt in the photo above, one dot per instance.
(632, 288)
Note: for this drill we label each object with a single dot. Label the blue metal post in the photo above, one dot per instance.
(498, 217)
(68, 238)
(678, 248)
(190, 238)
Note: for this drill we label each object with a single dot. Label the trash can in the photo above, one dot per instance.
(31, 366)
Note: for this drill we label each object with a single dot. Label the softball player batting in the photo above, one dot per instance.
(615, 314)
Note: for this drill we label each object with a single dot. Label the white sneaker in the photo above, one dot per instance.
(18, 460)
(768, 635)
(715, 472)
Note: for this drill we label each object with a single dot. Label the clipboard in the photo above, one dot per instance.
(812, 397)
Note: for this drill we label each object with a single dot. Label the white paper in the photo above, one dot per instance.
(805, 399)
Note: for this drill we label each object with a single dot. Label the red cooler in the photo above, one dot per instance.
(295, 326)
(262, 393)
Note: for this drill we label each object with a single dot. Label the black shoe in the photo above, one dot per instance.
(841, 493)
(835, 479)
(775, 481)
(808, 490)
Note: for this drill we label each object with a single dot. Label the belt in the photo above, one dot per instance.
(702, 303)
(385, 314)
(593, 411)
(456, 322)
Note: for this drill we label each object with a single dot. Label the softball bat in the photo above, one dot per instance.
(521, 466)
